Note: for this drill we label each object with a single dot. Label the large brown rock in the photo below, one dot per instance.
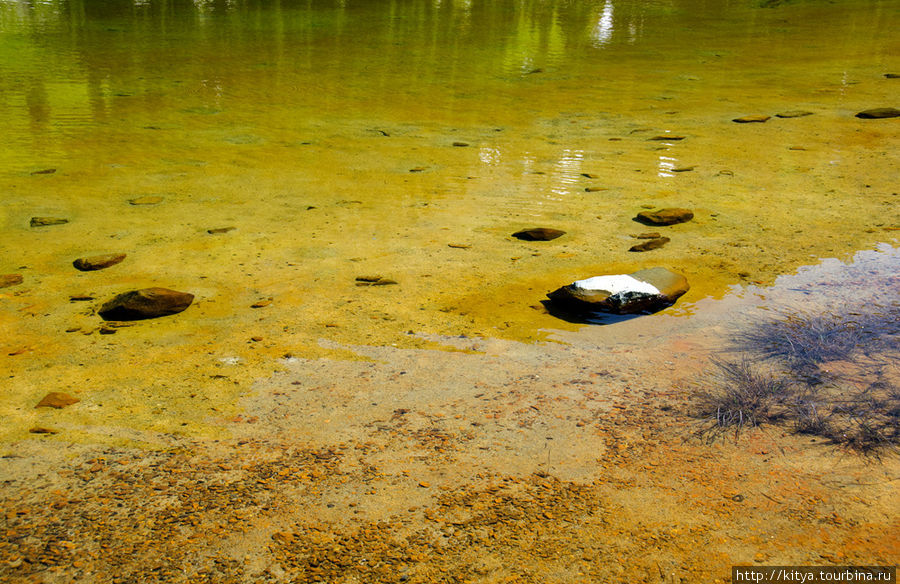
(98, 262)
(669, 216)
(145, 303)
(646, 291)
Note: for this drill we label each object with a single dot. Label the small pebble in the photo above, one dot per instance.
(879, 113)
(146, 200)
(44, 221)
(759, 118)
(793, 114)
(650, 244)
(57, 400)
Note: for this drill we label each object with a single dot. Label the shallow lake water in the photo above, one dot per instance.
(408, 140)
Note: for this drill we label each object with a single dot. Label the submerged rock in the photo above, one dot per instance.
(42, 430)
(757, 118)
(145, 303)
(793, 114)
(7, 280)
(57, 399)
(668, 216)
(646, 290)
(879, 113)
(375, 281)
(538, 234)
(44, 221)
(146, 200)
(651, 243)
(98, 262)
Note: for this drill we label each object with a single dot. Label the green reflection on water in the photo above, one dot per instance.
(84, 63)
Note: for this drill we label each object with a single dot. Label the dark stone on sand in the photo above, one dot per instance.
(669, 216)
(98, 262)
(879, 113)
(666, 137)
(57, 399)
(648, 235)
(44, 221)
(892, 75)
(7, 280)
(793, 114)
(145, 303)
(654, 243)
(756, 118)
(45, 171)
(538, 234)
(217, 230)
(460, 144)
(646, 290)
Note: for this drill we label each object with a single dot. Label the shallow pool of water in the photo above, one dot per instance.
(409, 140)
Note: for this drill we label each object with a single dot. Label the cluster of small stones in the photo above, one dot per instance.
(139, 304)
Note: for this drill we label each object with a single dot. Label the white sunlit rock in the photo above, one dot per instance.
(643, 291)
(616, 284)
